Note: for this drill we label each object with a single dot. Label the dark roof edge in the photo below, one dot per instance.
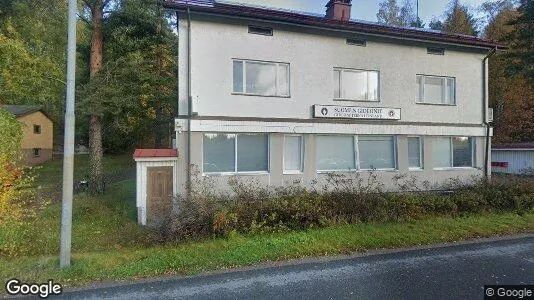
(24, 110)
(292, 18)
(514, 146)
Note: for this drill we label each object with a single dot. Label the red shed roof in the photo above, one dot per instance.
(148, 153)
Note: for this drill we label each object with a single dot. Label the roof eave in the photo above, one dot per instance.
(343, 27)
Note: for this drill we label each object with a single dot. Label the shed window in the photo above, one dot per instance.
(37, 129)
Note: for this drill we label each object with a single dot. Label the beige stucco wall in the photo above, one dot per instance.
(31, 140)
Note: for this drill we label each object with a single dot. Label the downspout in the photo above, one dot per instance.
(189, 104)
(486, 105)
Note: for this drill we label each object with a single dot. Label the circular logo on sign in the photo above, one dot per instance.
(392, 113)
(324, 111)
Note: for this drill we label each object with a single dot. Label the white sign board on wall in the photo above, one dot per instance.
(354, 112)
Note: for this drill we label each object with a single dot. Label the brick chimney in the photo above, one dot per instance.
(338, 9)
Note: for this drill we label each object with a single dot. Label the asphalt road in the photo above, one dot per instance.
(451, 272)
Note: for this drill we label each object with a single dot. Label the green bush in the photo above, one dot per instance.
(346, 199)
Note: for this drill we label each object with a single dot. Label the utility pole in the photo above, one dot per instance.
(417, 12)
(68, 152)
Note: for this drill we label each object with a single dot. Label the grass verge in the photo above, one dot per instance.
(196, 257)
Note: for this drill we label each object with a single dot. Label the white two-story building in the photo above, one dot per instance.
(285, 97)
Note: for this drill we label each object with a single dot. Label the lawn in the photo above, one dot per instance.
(108, 245)
(49, 175)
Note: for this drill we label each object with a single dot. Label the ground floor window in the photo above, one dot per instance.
(335, 153)
(293, 153)
(453, 152)
(415, 152)
(36, 152)
(376, 152)
(347, 152)
(235, 153)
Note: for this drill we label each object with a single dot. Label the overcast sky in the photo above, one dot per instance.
(362, 9)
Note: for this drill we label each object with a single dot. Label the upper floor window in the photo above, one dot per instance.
(261, 78)
(357, 85)
(37, 129)
(436, 90)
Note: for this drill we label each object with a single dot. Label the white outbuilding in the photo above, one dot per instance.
(515, 158)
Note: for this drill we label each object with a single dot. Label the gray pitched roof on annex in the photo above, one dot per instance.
(21, 110)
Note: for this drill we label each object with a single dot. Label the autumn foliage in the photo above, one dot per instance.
(14, 179)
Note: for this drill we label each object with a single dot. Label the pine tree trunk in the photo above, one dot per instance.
(95, 126)
(158, 134)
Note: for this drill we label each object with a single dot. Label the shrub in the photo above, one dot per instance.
(16, 185)
(345, 198)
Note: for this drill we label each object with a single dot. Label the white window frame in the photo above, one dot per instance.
(357, 156)
(244, 83)
(235, 156)
(473, 155)
(421, 87)
(421, 154)
(395, 158)
(293, 172)
(367, 93)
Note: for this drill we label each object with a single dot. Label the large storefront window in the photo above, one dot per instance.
(340, 152)
(453, 152)
(235, 153)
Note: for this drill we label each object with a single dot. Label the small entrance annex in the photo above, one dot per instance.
(156, 184)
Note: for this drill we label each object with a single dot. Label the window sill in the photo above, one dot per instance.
(455, 169)
(259, 95)
(379, 170)
(435, 104)
(235, 174)
(356, 171)
(356, 100)
(416, 169)
(292, 173)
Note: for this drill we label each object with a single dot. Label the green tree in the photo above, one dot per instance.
(137, 83)
(35, 74)
(390, 13)
(436, 24)
(521, 41)
(95, 11)
(459, 20)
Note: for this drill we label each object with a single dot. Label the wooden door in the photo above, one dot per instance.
(159, 194)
